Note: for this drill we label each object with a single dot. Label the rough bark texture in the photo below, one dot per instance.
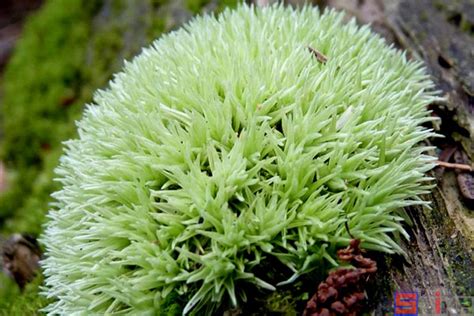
(439, 254)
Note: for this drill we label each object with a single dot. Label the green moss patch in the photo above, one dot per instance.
(230, 146)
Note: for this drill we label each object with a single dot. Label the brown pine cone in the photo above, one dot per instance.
(342, 293)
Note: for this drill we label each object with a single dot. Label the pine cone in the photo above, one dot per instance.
(343, 291)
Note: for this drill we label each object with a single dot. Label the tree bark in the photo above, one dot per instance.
(440, 251)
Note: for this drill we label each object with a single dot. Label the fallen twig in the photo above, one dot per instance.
(454, 165)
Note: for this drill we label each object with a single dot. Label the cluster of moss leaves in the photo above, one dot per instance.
(68, 49)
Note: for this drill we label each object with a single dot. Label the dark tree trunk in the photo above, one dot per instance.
(439, 254)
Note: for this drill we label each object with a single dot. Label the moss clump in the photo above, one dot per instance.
(228, 145)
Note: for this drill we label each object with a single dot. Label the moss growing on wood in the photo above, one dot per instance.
(228, 145)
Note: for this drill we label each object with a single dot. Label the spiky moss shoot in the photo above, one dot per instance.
(227, 145)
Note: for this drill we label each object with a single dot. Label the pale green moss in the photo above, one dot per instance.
(228, 145)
